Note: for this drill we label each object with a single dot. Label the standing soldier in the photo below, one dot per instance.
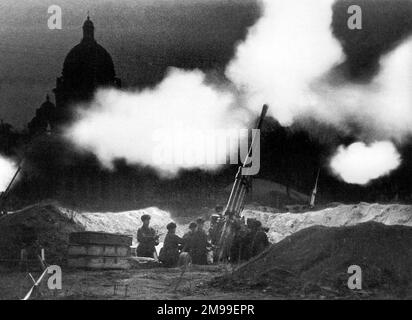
(148, 239)
(215, 229)
(239, 243)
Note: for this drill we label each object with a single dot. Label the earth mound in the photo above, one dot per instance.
(314, 262)
(284, 224)
(48, 225)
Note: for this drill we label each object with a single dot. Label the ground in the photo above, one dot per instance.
(308, 259)
(156, 283)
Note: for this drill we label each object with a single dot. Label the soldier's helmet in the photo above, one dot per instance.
(171, 226)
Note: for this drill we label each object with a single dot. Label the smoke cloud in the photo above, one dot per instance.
(380, 108)
(360, 163)
(289, 48)
(288, 60)
(162, 127)
(7, 170)
(275, 64)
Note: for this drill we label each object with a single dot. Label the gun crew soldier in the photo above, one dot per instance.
(169, 254)
(198, 245)
(147, 238)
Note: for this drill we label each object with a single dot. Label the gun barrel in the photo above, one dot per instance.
(237, 196)
(258, 126)
(262, 116)
(241, 185)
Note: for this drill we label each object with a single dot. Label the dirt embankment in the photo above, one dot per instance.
(282, 225)
(48, 226)
(315, 261)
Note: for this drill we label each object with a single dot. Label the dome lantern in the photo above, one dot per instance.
(88, 29)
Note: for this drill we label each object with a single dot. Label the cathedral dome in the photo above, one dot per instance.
(47, 105)
(86, 67)
(88, 63)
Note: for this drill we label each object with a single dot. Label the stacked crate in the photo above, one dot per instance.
(99, 250)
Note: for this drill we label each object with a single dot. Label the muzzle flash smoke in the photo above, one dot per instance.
(360, 163)
(287, 61)
(7, 170)
(132, 125)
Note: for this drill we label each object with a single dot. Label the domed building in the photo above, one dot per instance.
(44, 118)
(86, 67)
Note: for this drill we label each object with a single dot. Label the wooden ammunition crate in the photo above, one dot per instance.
(91, 237)
(99, 250)
(90, 262)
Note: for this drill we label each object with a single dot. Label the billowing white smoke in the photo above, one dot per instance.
(7, 170)
(285, 61)
(289, 48)
(392, 106)
(360, 163)
(168, 127)
(382, 107)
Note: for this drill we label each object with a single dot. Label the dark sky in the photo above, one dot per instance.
(146, 36)
(142, 36)
(385, 24)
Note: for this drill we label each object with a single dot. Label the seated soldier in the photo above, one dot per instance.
(260, 239)
(147, 238)
(249, 235)
(199, 244)
(187, 237)
(169, 254)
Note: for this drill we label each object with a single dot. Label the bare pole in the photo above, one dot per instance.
(315, 191)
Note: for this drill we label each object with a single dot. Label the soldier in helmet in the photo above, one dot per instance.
(199, 244)
(187, 237)
(259, 239)
(169, 254)
(237, 249)
(215, 229)
(147, 238)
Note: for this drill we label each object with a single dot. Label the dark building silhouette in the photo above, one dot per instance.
(86, 67)
(7, 137)
(44, 118)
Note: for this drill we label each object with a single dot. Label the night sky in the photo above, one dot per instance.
(144, 37)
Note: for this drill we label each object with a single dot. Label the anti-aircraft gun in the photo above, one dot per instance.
(236, 202)
(4, 195)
